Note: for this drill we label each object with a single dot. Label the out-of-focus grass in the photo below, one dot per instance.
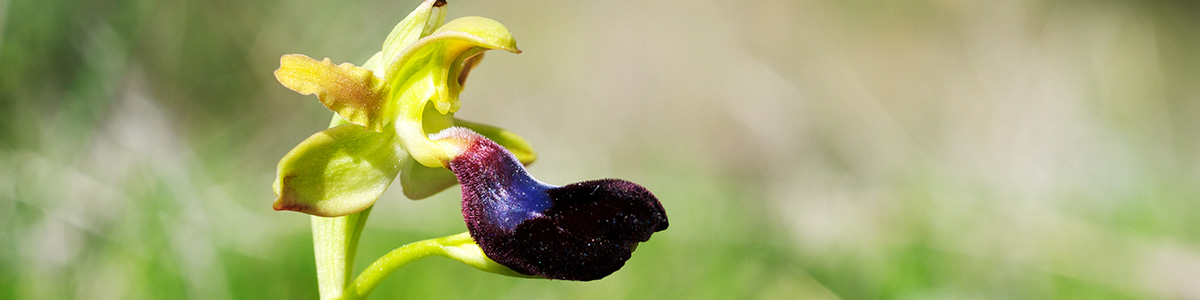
(803, 149)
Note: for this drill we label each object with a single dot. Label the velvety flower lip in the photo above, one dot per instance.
(581, 231)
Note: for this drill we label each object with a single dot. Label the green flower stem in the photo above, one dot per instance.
(334, 243)
(460, 247)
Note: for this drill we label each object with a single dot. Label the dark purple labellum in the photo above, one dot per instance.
(581, 231)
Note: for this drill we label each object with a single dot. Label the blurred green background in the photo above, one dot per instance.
(803, 149)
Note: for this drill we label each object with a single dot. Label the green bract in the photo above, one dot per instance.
(384, 112)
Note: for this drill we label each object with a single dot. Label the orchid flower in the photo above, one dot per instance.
(385, 112)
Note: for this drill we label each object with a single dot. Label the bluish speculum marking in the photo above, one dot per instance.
(515, 198)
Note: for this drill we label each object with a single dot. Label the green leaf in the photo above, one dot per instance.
(338, 171)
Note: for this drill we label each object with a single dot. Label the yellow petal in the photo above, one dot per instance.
(431, 71)
(444, 54)
(354, 93)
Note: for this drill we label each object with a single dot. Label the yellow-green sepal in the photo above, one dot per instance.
(338, 171)
(420, 182)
